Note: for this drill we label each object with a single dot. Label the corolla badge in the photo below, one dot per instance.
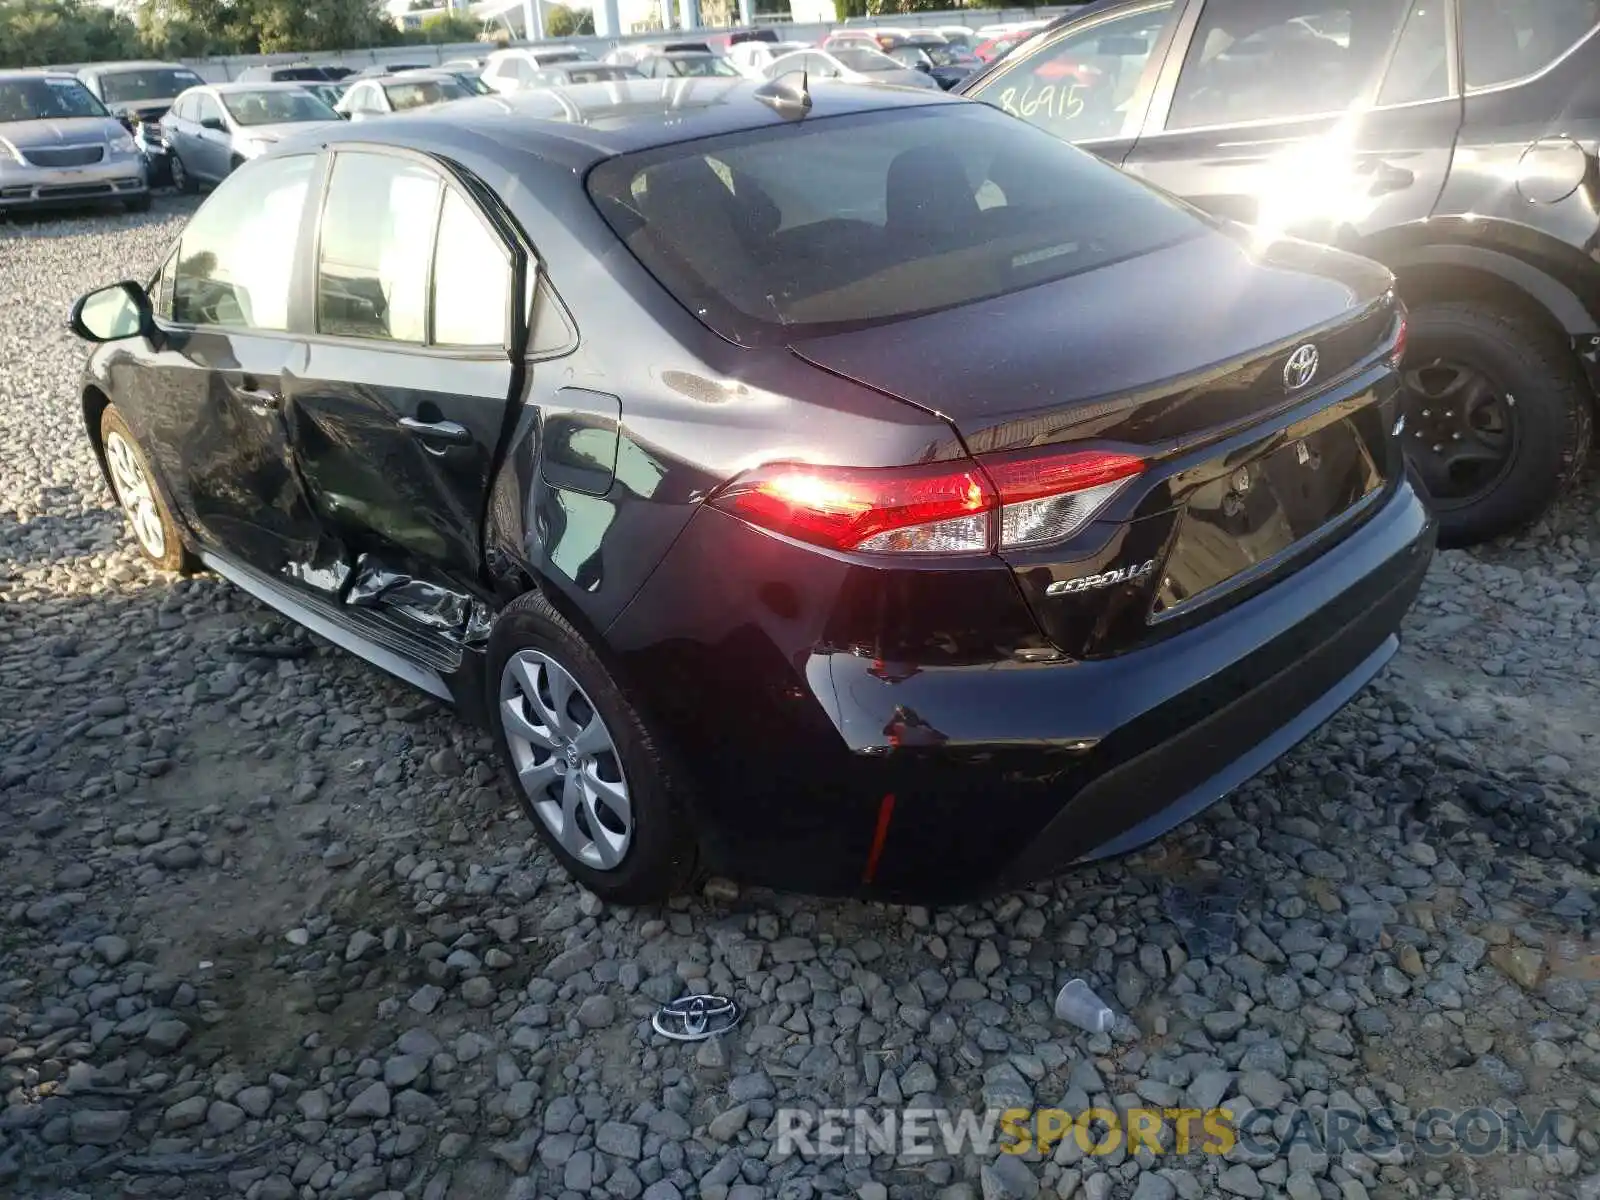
(1301, 368)
(1089, 583)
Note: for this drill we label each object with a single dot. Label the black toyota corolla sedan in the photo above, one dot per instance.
(853, 491)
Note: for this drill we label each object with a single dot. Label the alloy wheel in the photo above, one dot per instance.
(1461, 431)
(565, 759)
(180, 174)
(136, 495)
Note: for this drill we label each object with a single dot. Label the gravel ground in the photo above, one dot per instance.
(270, 927)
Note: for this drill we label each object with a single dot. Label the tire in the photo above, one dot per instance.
(138, 495)
(660, 858)
(137, 204)
(1546, 410)
(181, 179)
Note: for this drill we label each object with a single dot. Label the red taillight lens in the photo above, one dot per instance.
(936, 508)
(940, 508)
(1398, 350)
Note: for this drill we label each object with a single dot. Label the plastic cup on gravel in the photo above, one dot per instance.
(1077, 1005)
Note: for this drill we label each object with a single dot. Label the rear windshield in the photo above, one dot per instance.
(822, 225)
(424, 92)
(860, 59)
(153, 83)
(276, 107)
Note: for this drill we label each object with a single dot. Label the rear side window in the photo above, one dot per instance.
(1254, 60)
(1506, 40)
(372, 263)
(471, 279)
(235, 258)
(819, 225)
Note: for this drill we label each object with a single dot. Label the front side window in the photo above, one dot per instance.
(372, 266)
(46, 99)
(1082, 85)
(1256, 60)
(272, 107)
(471, 279)
(207, 109)
(810, 227)
(153, 83)
(1505, 40)
(235, 257)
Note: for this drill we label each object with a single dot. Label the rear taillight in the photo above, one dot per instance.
(1397, 348)
(966, 507)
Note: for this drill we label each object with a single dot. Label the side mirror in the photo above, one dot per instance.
(213, 123)
(113, 313)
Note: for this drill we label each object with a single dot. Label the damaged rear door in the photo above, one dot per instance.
(398, 414)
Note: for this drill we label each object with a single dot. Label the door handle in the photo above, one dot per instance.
(254, 395)
(1387, 178)
(437, 431)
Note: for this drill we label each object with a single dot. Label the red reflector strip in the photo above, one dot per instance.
(879, 836)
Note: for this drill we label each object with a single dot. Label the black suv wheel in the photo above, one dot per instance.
(1498, 421)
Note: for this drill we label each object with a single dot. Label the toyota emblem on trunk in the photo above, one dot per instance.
(1301, 368)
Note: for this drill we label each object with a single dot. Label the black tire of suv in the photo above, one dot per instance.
(1553, 409)
(663, 858)
(176, 556)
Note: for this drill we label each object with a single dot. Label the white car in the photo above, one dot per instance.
(853, 64)
(517, 70)
(409, 90)
(751, 58)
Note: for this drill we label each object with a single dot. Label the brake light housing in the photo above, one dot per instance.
(969, 506)
(1397, 347)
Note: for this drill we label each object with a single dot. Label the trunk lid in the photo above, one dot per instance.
(1184, 356)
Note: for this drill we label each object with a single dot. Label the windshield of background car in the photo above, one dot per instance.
(46, 100)
(595, 74)
(157, 83)
(858, 58)
(822, 225)
(276, 108)
(424, 92)
(700, 65)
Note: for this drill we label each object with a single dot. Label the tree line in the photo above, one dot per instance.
(42, 32)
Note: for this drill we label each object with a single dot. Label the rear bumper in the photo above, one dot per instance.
(27, 186)
(1005, 771)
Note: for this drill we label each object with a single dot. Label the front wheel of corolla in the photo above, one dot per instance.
(582, 760)
(143, 506)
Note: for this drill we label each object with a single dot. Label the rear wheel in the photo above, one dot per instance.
(1498, 420)
(582, 761)
(134, 486)
(181, 179)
